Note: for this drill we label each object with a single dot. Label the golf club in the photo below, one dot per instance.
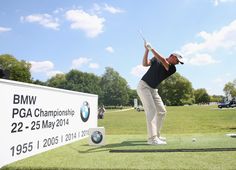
(144, 39)
(141, 34)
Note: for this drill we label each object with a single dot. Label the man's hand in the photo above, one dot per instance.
(148, 46)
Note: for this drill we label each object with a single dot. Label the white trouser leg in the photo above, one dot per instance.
(152, 104)
(161, 112)
(160, 121)
(149, 106)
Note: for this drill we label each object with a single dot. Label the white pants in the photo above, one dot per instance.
(154, 108)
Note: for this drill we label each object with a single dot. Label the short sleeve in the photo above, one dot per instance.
(153, 60)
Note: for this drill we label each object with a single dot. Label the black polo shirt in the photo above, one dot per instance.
(157, 73)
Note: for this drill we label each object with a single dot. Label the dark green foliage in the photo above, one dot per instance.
(176, 91)
(77, 81)
(201, 96)
(230, 89)
(17, 70)
(114, 88)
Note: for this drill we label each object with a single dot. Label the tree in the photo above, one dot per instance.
(77, 81)
(83, 82)
(132, 95)
(230, 89)
(176, 90)
(58, 81)
(17, 70)
(201, 96)
(38, 82)
(217, 98)
(114, 88)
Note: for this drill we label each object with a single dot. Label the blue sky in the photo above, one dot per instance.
(56, 36)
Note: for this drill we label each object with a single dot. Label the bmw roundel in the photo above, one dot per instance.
(97, 137)
(85, 111)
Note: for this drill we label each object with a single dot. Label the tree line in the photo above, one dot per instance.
(111, 88)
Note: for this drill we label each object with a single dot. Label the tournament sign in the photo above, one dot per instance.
(35, 118)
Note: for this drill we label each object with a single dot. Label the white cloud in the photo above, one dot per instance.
(45, 20)
(92, 25)
(218, 83)
(112, 9)
(223, 39)
(217, 2)
(98, 9)
(202, 59)
(139, 70)
(80, 62)
(223, 79)
(41, 66)
(53, 73)
(93, 65)
(4, 29)
(58, 10)
(83, 61)
(109, 49)
(219, 80)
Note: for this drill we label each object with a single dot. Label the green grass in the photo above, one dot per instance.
(179, 120)
(127, 130)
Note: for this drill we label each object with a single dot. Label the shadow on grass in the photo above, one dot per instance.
(229, 128)
(131, 147)
(108, 147)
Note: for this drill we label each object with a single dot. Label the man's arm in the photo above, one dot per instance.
(146, 61)
(160, 58)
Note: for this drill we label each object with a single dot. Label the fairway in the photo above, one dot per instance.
(126, 131)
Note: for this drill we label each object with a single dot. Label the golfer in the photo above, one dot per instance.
(160, 68)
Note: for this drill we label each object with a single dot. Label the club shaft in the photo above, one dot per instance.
(142, 36)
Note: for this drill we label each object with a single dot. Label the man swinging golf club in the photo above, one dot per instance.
(160, 69)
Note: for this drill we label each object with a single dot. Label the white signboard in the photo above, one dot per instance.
(35, 118)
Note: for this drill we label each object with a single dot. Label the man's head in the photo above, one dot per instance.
(175, 58)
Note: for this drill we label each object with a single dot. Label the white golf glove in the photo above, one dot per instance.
(149, 46)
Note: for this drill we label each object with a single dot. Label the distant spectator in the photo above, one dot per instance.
(101, 112)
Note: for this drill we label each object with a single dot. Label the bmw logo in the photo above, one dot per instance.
(85, 111)
(96, 137)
